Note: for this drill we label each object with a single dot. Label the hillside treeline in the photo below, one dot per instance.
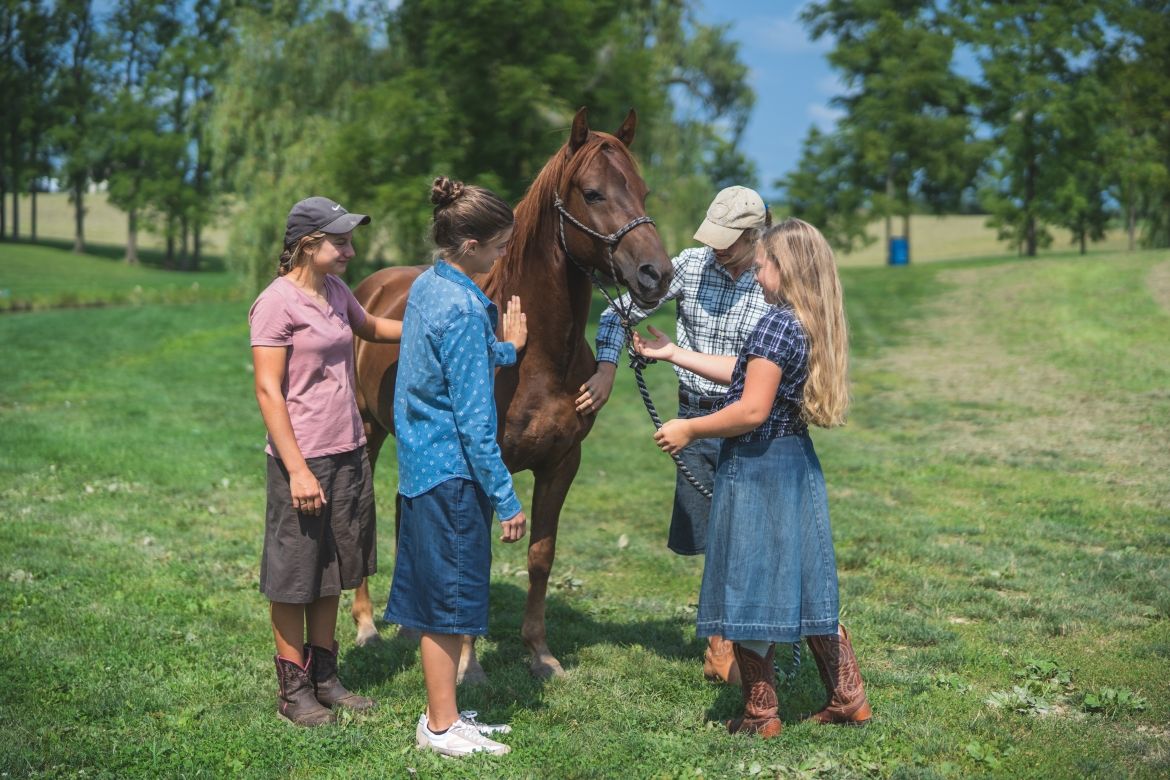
(1047, 115)
(193, 111)
(1044, 114)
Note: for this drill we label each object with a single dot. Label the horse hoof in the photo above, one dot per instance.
(546, 670)
(472, 675)
(367, 635)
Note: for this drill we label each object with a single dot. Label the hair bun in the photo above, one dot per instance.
(444, 191)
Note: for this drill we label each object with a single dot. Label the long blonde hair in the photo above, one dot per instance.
(810, 285)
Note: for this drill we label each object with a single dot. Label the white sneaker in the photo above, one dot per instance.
(487, 729)
(461, 739)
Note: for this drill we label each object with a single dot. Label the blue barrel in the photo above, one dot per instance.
(899, 250)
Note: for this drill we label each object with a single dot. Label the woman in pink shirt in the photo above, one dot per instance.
(319, 536)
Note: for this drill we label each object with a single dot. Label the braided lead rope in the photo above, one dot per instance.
(639, 362)
(789, 676)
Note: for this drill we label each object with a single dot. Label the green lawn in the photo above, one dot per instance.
(36, 276)
(1001, 509)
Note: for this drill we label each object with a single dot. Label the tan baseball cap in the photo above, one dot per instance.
(734, 210)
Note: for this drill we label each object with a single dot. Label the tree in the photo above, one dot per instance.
(26, 46)
(907, 131)
(274, 116)
(1032, 54)
(830, 189)
(140, 152)
(78, 89)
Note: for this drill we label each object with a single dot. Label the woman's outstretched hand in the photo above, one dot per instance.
(659, 348)
(515, 324)
(674, 435)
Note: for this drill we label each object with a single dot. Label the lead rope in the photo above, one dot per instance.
(639, 362)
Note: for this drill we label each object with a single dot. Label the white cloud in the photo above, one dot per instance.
(825, 117)
(786, 35)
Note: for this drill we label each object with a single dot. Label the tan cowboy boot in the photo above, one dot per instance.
(838, 667)
(760, 707)
(719, 661)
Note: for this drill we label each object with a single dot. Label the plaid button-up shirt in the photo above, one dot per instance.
(715, 314)
(778, 338)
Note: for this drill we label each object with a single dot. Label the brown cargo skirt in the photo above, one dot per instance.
(307, 557)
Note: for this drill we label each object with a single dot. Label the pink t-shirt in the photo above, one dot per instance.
(318, 379)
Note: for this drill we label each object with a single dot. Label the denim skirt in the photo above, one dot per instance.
(770, 573)
(444, 560)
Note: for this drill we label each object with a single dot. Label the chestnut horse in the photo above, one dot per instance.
(583, 215)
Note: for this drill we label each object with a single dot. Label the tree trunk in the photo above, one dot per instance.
(1131, 224)
(889, 200)
(79, 217)
(132, 237)
(16, 212)
(184, 258)
(33, 212)
(3, 211)
(197, 246)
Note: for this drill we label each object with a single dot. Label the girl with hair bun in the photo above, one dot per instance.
(319, 535)
(451, 474)
(771, 573)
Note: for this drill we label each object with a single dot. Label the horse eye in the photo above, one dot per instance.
(593, 196)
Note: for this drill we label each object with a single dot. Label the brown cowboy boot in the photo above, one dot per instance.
(330, 691)
(838, 667)
(758, 681)
(295, 700)
(719, 661)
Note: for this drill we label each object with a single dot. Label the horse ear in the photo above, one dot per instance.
(625, 133)
(580, 129)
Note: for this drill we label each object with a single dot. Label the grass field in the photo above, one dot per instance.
(1001, 510)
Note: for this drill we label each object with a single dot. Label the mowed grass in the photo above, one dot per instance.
(957, 236)
(36, 276)
(1000, 503)
(105, 223)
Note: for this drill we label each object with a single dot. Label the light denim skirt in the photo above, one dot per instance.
(770, 572)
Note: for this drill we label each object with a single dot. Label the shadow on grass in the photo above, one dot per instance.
(510, 687)
(150, 258)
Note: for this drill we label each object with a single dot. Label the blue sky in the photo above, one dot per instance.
(789, 73)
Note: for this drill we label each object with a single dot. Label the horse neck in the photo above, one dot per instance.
(554, 293)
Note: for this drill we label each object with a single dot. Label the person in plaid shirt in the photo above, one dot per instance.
(771, 572)
(718, 303)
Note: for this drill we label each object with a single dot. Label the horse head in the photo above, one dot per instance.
(601, 200)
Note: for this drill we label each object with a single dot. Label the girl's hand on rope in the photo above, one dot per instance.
(674, 435)
(513, 528)
(515, 324)
(595, 392)
(660, 348)
(307, 496)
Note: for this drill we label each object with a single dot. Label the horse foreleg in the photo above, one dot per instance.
(363, 615)
(548, 496)
(469, 671)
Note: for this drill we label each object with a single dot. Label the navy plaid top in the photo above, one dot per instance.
(780, 338)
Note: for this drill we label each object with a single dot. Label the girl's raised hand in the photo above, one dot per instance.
(515, 324)
(673, 435)
(660, 348)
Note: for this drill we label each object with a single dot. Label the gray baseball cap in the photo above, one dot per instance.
(318, 213)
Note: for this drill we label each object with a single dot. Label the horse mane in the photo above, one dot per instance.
(538, 236)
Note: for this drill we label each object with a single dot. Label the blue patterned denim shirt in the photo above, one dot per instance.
(445, 400)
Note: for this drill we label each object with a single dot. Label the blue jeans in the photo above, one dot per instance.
(770, 572)
(688, 520)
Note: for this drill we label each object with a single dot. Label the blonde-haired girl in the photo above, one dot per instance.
(771, 574)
